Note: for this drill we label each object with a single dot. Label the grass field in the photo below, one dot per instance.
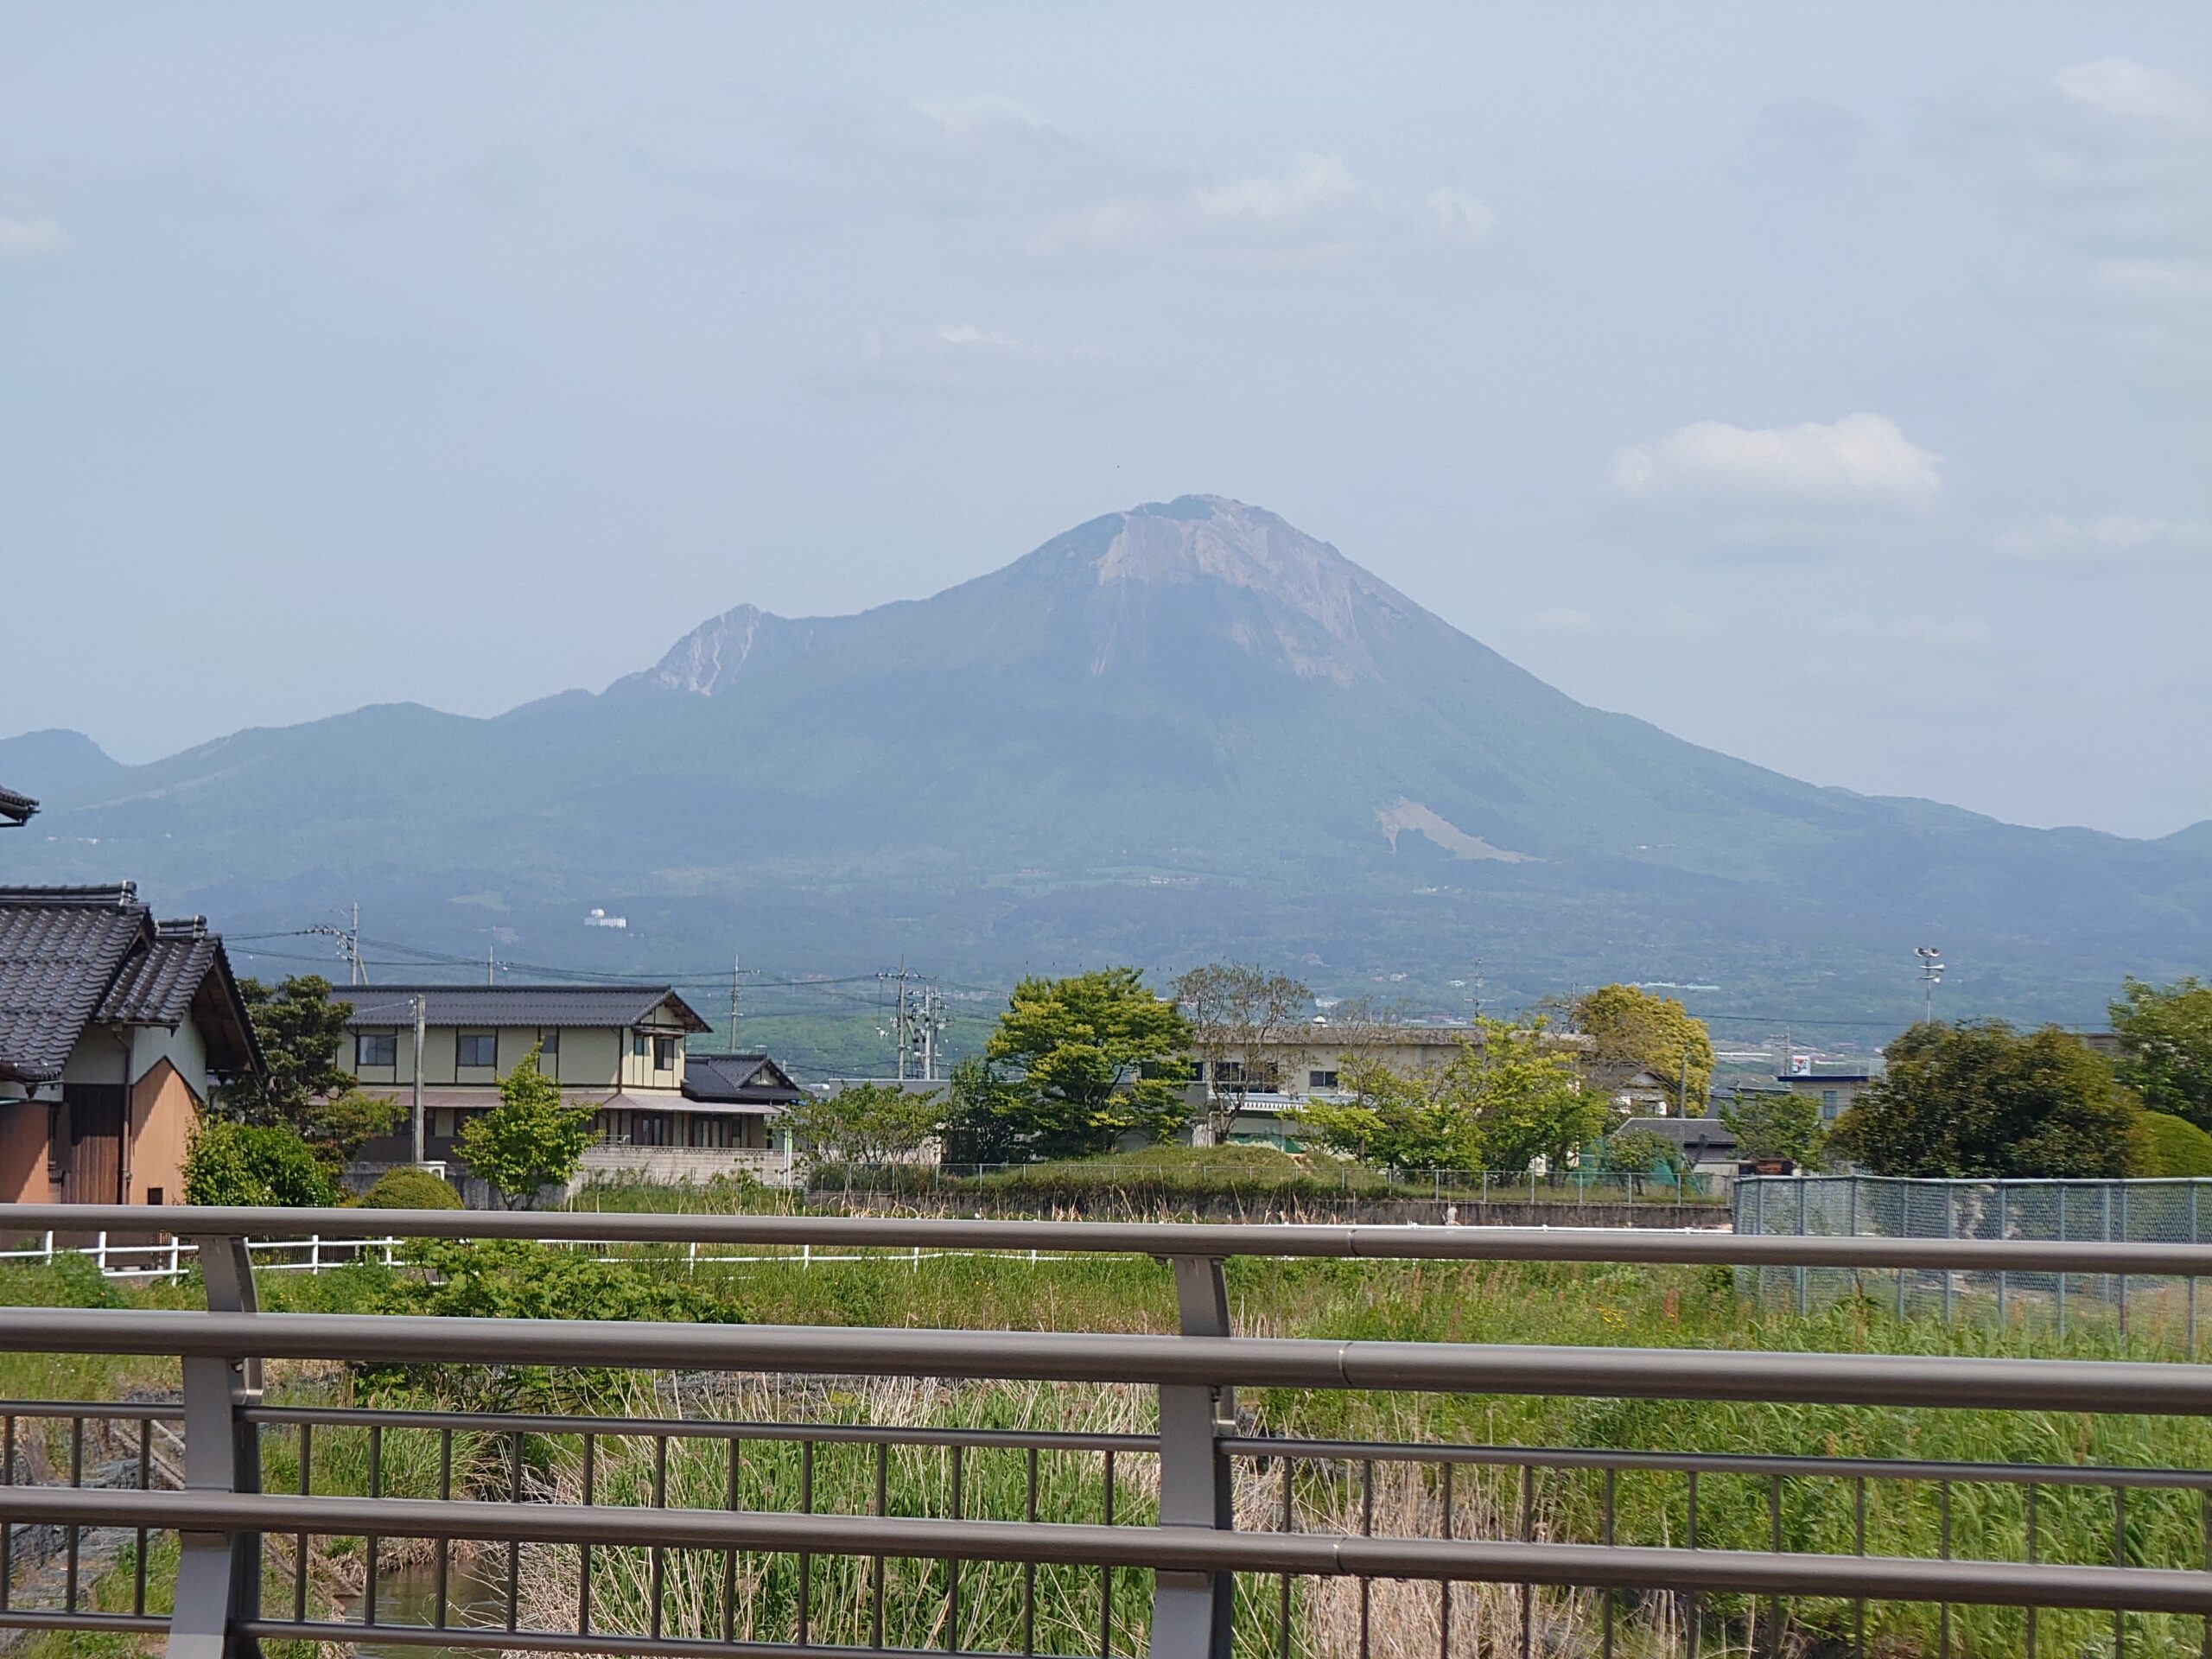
(1385, 1300)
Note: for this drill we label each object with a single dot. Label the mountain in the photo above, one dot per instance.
(1184, 730)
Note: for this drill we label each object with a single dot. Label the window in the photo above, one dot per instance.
(476, 1048)
(154, 1195)
(710, 1132)
(1228, 1072)
(1827, 1102)
(1320, 1079)
(638, 1044)
(664, 1053)
(549, 1047)
(375, 1048)
(649, 1130)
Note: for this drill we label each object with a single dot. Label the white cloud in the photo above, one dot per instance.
(2111, 539)
(1859, 461)
(1315, 185)
(1559, 618)
(29, 238)
(2122, 89)
(965, 359)
(1314, 214)
(1455, 216)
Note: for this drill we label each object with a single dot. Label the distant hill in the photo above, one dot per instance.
(1184, 730)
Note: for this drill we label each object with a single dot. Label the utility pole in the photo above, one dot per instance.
(349, 946)
(491, 963)
(422, 1012)
(353, 943)
(734, 972)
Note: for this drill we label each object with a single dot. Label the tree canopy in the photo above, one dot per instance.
(864, 1123)
(1239, 1017)
(529, 1141)
(1500, 1104)
(1981, 1099)
(2165, 1039)
(1777, 1126)
(1070, 1059)
(1629, 1030)
(301, 1033)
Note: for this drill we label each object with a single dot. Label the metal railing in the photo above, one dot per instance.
(683, 1532)
(1318, 1180)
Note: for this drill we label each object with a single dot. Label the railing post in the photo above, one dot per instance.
(219, 1574)
(1191, 1610)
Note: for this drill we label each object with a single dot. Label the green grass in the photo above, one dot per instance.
(1418, 1301)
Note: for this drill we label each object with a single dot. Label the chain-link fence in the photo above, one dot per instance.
(2133, 1307)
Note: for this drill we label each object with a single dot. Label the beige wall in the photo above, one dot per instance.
(1296, 1061)
(638, 1070)
(23, 1152)
(163, 1109)
(583, 1058)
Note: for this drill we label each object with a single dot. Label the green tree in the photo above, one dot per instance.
(1239, 1016)
(1640, 1153)
(2175, 1146)
(2165, 1039)
(529, 1141)
(1074, 1056)
(1522, 1089)
(1629, 1029)
(1980, 1099)
(865, 1123)
(1777, 1126)
(1500, 1103)
(983, 1115)
(1393, 1120)
(301, 1033)
(229, 1163)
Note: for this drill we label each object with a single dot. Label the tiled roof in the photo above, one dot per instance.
(737, 1080)
(15, 809)
(157, 985)
(72, 955)
(613, 1006)
(60, 949)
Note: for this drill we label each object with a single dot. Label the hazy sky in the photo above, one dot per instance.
(1830, 385)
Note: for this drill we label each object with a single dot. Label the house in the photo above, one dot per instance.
(114, 1030)
(1276, 1074)
(16, 810)
(752, 1088)
(1836, 1091)
(1707, 1145)
(619, 1049)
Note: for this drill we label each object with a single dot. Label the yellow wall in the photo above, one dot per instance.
(162, 1112)
(24, 1151)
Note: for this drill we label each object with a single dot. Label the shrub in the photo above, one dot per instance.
(411, 1189)
(2174, 1146)
(253, 1164)
(518, 1279)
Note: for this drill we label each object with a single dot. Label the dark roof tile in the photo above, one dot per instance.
(613, 1006)
(60, 949)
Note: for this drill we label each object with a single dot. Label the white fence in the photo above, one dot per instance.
(171, 1259)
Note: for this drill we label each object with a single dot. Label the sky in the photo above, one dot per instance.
(1831, 385)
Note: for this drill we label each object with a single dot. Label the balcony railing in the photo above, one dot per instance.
(632, 1532)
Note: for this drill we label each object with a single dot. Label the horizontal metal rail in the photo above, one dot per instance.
(2102, 1475)
(1165, 1239)
(1166, 1549)
(1465, 1368)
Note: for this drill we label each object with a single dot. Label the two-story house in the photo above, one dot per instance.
(114, 1030)
(620, 1049)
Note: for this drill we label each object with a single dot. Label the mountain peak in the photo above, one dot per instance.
(1276, 590)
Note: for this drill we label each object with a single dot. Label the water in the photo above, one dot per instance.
(408, 1595)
